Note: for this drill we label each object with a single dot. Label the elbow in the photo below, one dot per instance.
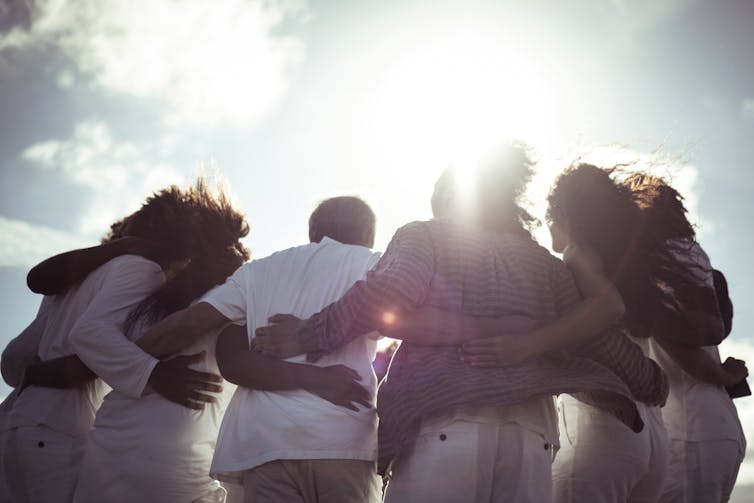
(614, 304)
(35, 283)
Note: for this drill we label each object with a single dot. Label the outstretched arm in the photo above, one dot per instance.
(238, 364)
(56, 274)
(397, 285)
(63, 372)
(181, 329)
(701, 366)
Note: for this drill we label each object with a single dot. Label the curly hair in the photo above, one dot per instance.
(502, 179)
(638, 228)
(192, 224)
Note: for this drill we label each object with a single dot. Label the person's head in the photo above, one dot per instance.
(590, 206)
(587, 206)
(445, 194)
(196, 228)
(664, 205)
(346, 219)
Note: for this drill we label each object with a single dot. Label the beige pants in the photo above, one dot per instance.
(602, 461)
(467, 462)
(313, 480)
(702, 472)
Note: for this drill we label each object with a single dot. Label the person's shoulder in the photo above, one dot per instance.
(132, 267)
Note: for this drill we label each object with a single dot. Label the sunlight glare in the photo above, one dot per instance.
(451, 97)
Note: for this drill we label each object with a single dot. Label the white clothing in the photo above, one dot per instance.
(702, 472)
(456, 460)
(602, 461)
(93, 309)
(151, 449)
(261, 426)
(16, 356)
(700, 419)
(41, 465)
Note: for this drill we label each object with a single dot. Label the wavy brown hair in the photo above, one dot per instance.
(189, 223)
(638, 227)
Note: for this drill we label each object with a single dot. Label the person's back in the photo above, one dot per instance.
(60, 419)
(262, 426)
(135, 437)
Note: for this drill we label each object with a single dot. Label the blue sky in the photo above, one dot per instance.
(291, 102)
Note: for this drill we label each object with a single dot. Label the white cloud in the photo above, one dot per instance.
(208, 62)
(119, 174)
(24, 244)
(747, 107)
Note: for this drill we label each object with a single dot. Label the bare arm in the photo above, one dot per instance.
(702, 367)
(181, 329)
(601, 306)
(55, 274)
(64, 372)
(239, 365)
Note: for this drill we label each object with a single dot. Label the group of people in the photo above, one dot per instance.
(164, 366)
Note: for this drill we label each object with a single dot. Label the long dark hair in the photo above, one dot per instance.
(639, 229)
(203, 227)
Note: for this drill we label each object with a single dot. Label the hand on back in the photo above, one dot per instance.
(177, 382)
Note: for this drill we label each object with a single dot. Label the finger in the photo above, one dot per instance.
(191, 404)
(281, 318)
(261, 331)
(190, 359)
(204, 376)
(361, 393)
(348, 405)
(200, 397)
(351, 373)
(205, 386)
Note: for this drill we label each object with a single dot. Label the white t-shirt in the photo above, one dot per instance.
(262, 426)
(697, 411)
(87, 320)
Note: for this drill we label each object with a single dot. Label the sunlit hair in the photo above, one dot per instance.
(633, 227)
(191, 223)
(346, 219)
(501, 181)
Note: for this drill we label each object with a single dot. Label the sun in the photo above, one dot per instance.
(453, 95)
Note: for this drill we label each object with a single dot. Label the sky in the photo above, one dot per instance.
(289, 102)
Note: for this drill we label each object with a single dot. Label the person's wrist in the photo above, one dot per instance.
(312, 378)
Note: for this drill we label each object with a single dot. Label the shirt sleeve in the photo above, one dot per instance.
(564, 288)
(25, 346)
(98, 337)
(230, 298)
(398, 283)
(614, 350)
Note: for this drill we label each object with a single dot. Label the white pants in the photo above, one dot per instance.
(464, 461)
(602, 460)
(702, 472)
(41, 465)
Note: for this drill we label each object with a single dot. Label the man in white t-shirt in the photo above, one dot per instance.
(294, 431)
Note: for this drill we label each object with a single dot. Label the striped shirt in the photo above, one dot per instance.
(478, 273)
